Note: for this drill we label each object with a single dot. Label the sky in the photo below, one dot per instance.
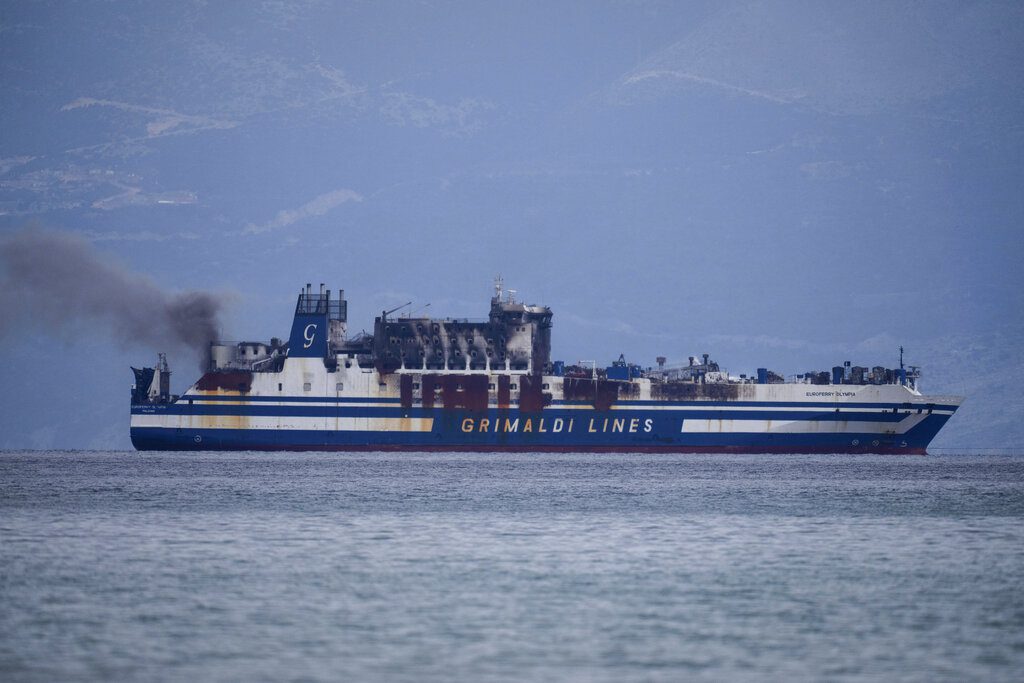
(779, 184)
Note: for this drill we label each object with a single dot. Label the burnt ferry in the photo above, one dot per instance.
(450, 384)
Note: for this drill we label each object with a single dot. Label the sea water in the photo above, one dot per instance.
(455, 567)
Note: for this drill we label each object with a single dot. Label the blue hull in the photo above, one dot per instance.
(553, 430)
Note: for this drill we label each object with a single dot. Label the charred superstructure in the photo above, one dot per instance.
(515, 337)
(421, 383)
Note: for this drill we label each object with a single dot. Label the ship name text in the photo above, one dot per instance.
(528, 425)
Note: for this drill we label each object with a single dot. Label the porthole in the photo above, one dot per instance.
(856, 442)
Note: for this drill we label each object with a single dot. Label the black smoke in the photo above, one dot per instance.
(55, 280)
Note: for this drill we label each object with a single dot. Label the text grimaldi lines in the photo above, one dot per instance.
(543, 425)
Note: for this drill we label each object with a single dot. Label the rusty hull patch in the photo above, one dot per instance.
(405, 390)
(234, 380)
(532, 398)
(504, 391)
(690, 391)
(465, 392)
(602, 393)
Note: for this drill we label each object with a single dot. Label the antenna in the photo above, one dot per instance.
(499, 282)
(421, 308)
(901, 356)
(385, 315)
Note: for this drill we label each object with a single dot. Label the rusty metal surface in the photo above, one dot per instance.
(234, 380)
(504, 391)
(600, 392)
(682, 391)
(467, 392)
(532, 398)
(405, 391)
(452, 392)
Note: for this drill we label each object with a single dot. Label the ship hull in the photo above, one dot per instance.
(648, 427)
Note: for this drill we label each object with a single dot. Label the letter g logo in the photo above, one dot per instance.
(309, 334)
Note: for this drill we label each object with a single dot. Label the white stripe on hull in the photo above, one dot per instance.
(697, 426)
(624, 406)
(340, 424)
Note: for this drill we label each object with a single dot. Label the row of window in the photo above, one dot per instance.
(454, 341)
(340, 386)
(459, 387)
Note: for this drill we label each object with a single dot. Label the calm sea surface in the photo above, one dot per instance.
(416, 567)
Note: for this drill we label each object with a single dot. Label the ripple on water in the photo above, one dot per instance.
(511, 567)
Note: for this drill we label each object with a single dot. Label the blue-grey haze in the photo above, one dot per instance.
(781, 184)
(445, 567)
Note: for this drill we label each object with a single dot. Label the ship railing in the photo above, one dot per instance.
(258, 363)
(460, 371)
(463, 321)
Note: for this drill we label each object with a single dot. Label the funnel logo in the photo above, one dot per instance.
(309, 335)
